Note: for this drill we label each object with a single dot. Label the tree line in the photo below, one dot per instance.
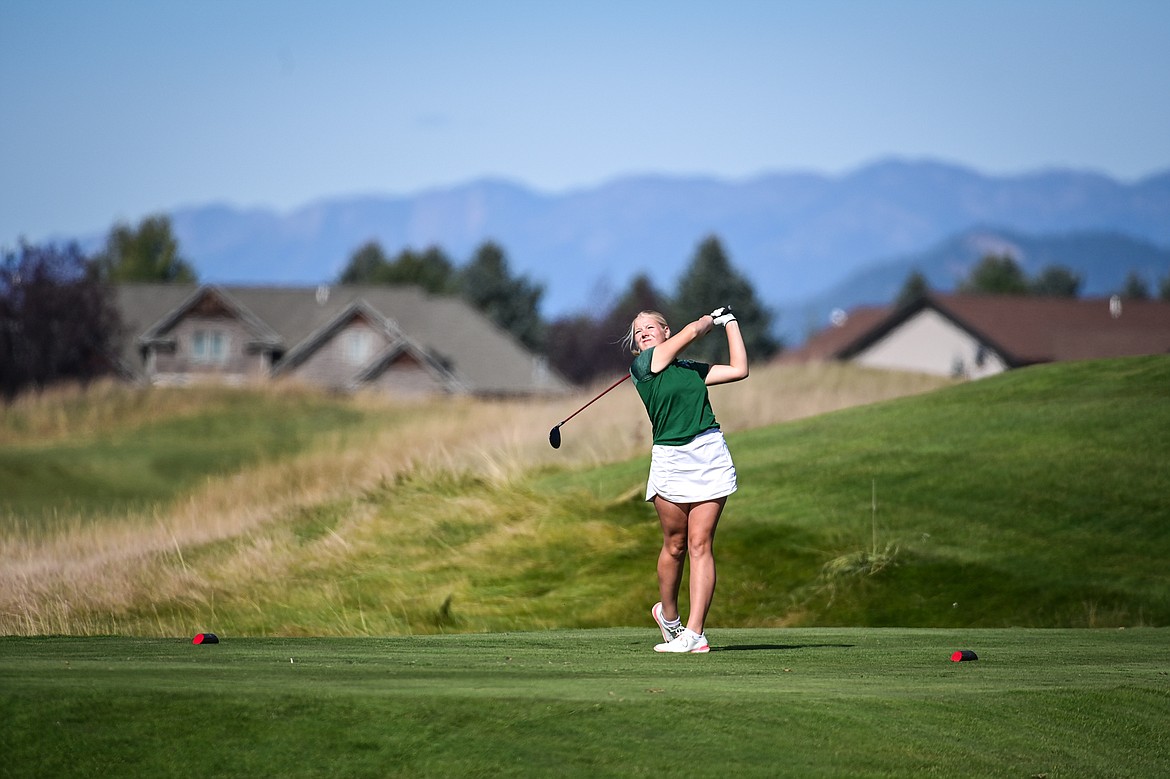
(58, 317)
(1001, 274)
(59, 321)
(581, 347)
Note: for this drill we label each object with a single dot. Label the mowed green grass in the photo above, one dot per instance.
(1036, 498)
(886, 537)
(810, 702)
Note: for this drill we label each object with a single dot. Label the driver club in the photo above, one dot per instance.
(554, 435)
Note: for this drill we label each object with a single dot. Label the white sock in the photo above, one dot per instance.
(672, 623)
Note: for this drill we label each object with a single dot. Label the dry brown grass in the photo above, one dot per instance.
(80, 580)
(72, 411)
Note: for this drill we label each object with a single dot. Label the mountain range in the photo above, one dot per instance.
(1102, 260)
(808, 242)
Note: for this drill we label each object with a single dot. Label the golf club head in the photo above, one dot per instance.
(554, 437)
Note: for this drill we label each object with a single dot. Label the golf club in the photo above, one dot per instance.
(554, 435)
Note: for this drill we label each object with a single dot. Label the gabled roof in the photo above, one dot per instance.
(394, 351)
(218, 296)
(141, 306)
(1027, 330)
(314, 340)
(469, 347)
(827, 343)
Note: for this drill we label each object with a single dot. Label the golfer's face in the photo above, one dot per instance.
(648, 332)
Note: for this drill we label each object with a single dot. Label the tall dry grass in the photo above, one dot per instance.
(85, 580)
(73, 411)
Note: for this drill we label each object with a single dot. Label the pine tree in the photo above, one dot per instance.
(1056, 281)
(367, 265)
(1135, 287)
(148, 253)
(512, 303)
(996, 274)
(711, 281)
(913, 288)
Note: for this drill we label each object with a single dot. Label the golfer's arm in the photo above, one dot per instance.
(666, 352)
(737, 367)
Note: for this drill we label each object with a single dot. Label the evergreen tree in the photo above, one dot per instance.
(149, 253)
(710, 281)
(1164, 288)
(430, 270)
(913, 288)
(641, 296)
(1056, 281)
(367, 265)
(512, 303)
(996, 275)
(1135, 287)
(588, 348)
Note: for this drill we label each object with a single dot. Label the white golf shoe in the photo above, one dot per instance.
(668, 633)
(685, 642)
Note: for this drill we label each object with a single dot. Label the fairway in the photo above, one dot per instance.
(388, 609)
(828, 702)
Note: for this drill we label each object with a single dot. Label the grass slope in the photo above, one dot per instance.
(1035, 498)
(153, 458)
(781, 702)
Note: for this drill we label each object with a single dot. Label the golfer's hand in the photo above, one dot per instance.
(722, 316)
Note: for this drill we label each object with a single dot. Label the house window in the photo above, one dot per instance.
(209, 346)
(357, 346)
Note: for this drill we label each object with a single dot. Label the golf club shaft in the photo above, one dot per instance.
(590, 403)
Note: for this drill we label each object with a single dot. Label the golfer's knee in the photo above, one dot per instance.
(675, 549)
(698, 549)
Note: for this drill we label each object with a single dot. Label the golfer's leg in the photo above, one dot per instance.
(704, 517)
(673, 519)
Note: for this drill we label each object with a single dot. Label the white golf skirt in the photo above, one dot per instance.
(699, 470)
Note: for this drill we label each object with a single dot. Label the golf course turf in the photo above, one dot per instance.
(825, 702)
(441, 621)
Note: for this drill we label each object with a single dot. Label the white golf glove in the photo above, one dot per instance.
(723, 315)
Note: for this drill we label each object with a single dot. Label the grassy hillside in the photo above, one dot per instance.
(1031, 499)
(1035, 498)
(130, 449)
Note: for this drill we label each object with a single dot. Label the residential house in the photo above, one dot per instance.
(396, 339)
(979, 335)
(844, 328)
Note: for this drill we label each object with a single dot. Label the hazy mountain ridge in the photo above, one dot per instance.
(1102, 260)
(796, 235)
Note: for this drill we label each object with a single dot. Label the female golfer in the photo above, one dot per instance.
(691, 472)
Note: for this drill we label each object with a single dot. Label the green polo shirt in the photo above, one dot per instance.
(676, 399)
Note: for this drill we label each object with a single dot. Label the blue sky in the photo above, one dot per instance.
(113, 110)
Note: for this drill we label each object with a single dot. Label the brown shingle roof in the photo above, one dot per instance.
(1029, 330)
(825, 344)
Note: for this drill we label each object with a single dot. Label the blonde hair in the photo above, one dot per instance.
(628, 340)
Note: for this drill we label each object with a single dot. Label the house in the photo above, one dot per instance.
(396, 339)
(973, 336)
(844, 328)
